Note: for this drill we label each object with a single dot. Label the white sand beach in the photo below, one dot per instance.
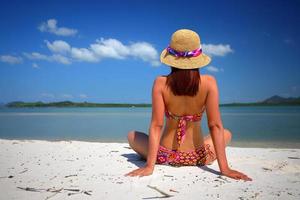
(32, 169)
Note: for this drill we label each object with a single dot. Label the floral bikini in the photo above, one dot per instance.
(181, 158)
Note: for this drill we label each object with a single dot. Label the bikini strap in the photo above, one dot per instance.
(182, 121)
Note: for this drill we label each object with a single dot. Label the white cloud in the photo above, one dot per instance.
(113, 48)
(110, 48)
(56, 57)
(36, 56)
(83, 54)
(51, 27)
(11, 59)
(83, 96)
(48, 95)
(104, 48)
(145, 51)
(34, 65)
(217, 50)
(58, 46)
(213, 69)
(67, 96)
(61, 59)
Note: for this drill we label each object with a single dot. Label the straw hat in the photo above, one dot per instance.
(184, 51)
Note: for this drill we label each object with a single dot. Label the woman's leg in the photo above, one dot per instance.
(138, 141)
(208, 140)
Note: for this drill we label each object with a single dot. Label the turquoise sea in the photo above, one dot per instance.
(261, 126)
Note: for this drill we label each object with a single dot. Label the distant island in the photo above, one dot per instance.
(272, 101)
(72, 104)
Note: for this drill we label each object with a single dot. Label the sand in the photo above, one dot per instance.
(33, 169)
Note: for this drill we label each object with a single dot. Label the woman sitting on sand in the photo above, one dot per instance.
(183, 96)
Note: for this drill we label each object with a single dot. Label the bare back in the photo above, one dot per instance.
(184, 105)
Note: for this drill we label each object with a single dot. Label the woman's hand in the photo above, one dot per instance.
(143, 171)
(235, 175)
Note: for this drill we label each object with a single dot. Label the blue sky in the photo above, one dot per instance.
(108, 51)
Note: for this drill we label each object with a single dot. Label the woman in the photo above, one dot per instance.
(183, 96)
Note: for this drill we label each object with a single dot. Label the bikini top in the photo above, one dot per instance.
(182, 120)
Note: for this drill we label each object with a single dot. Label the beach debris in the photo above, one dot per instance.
(255, 195)
(113, 151)
(54, 193)
(266, 169)
(70, 191)
(165, 195)
(291, 157)
(220, 181)
(168, 175)
(29, 189)
(70, 175)
(73, 190)
(25, 170)
(281, 165)
(53, 178)
(87, 193)
(10, 176)
(172, 190)
(127, 147)
(69, 194)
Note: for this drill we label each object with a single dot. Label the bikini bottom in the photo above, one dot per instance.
(199, 156)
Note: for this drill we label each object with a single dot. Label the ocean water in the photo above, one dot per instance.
(261, 126)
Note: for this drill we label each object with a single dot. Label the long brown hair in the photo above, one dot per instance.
(183, 81)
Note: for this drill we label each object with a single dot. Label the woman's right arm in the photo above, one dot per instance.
(217, 131)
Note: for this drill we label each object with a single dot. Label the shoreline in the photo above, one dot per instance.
(239, 144)
(59, 169)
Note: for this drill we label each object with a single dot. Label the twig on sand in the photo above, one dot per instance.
(165, 195)
(25, 170)
(171, 190)
(56, 191)
(53, 178)
(87, 192)
(291, 157)
(30, 189)
(266, 169)
(72, 190)
(10, 176)
(70, 175)
(69, 194)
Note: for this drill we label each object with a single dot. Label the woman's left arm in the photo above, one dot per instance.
(156, 125)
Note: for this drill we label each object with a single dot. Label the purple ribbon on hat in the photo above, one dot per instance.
(175, 53)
